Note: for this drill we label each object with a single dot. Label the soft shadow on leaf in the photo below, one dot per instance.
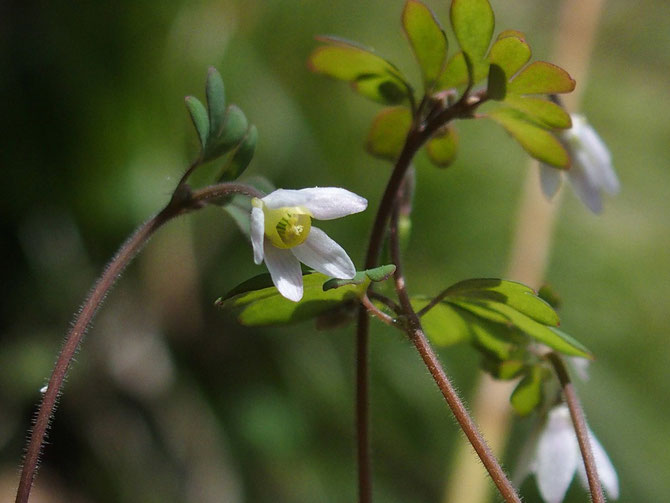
(388, 132)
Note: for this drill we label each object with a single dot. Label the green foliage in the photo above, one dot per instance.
(442, 147)
(527, 395)
(510, 52)
(503, 310)
(541, 77)
(369, 75)
(257, 302)
(377, 274)
(222, 129)
(532, 136)
(427, 39)
(388, 132)
(473, 22)
(496, 88)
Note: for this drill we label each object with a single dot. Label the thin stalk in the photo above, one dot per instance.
(182, 201)
(579, 424)
(418, 338)
(375, 311)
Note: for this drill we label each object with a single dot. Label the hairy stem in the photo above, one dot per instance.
(182, 201)
(418, 338)
(579, 423)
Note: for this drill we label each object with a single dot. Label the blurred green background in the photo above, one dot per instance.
(169, 400)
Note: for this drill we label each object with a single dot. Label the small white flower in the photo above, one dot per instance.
(591, 168)
(283, 236)
(556, 457)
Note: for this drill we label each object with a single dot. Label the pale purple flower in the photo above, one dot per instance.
(556, 456)
(282, 234)
(591, 170)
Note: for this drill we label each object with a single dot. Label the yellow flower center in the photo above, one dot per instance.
(287, 227)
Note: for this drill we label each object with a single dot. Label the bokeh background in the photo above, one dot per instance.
(169, 400)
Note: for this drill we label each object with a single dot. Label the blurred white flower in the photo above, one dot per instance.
(556, 456)
(591, 168)
(283, 236)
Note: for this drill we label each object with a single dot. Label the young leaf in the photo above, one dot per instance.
(502, 369)
(216, 101)
(369, 74)
(381, 273)
(241, 157)
(388, 132)
(527, 396)
(427, 39)
(512, 293)
(257, 303)
(234, 129)
(473, 22)
(546, 113)
(442, 147)
(541, 77)
(535, 140)
(198, 114)
(496, 88)
(509, 53)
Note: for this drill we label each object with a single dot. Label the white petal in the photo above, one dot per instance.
(323, 254)
(583, 186)
(606, 471)
(324, 203)
(557, 456)
(257, 232)
(550, 180)
(580, 366)
(285, 271)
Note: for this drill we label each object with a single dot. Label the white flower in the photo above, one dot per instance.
(283, 236)
(556, 457)
(591, 168)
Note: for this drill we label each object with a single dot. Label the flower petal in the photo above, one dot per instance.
(324, 203)
(550, 180)
(285, 271)
(606, 471)
(257, 231)
(585, 189)
(557, 456)
(324, 255)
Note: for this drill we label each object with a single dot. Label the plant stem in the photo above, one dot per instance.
(375, 311)
(182, 201)
(579, 423)
(418, 338)
(419, 133)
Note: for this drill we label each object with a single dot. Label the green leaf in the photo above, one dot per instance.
(496, 88)
(234, 129)
(369, 74)
(514, 294)
(503, 370)
(545, 112)
(198, 114)
(496, 339)
(455, 73)
(388, 132)
(216, 102)
(427, 39)
(473, 22)
(381, 273)
(510, 53)
(535, 140)
(257, 303)
(498, 312)
(541, 77)
(442, 323)
(442, 147)
(527, 396)
(511, 33)
(241, 157)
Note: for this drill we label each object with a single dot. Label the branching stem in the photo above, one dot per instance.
(182, 201)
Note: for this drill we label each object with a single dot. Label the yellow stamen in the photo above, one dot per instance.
(287, 227)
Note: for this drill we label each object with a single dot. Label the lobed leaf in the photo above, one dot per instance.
(388, 132)
(443, 324)
(233, 131)
(510, 53)
(473, 22)
(541, 77)
(377, 274)
(383, 89)
(427, 39)
(535, 140)
(442, 147)
(256, 302)
(241, 157)
(545, 112)
(216, 101)
(198, 114)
